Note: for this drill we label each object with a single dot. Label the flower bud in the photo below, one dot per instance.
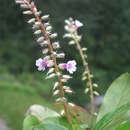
(51, 70)
(68, 91)
(61, 55)
(31, 20)
(37, 32)
(55, 85)
(28, 12)
(95, 85)
(67, 76)
(84, 49)
(96, 93)
(19, 2)
(54, 35)
(56, 92)
(40, 39)
(49, 28)
(56, 45)
(87, 90)
(45, 17)
(51, 76)
(37, 23)
(67, 35)
(46, 24)
(45, 51)
(72, 42)
(24, 6)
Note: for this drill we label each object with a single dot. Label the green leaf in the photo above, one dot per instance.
(124, 126)
(49, 126)
(37, 114)
(117, 95)
(52, 120)
(30, 122)
(41, 112)
(46, 116)
(63, 122)
(106, 123)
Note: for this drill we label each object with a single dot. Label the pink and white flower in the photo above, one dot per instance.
(63, 66)
(77, 24)
(71, 66)
(41, 64)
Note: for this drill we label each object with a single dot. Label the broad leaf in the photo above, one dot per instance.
(30, 122)
(49, 126)
(52, 120)
(124, 126)
(117, 95)
(46, 116)
(41, 112)
(106, 123)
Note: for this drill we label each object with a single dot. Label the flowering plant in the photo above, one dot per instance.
(115, 105)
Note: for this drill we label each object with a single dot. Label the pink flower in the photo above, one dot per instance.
(63, 66)
(71, 66)
(41, 64)
(77, 24)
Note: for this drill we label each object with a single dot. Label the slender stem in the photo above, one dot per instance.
(43, 29)
(89, 77)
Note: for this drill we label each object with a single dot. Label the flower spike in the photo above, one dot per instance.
(71, 27)
(44, 33)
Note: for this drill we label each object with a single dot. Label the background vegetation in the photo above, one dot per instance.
(106, 34)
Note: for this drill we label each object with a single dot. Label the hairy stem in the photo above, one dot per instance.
(43, 29)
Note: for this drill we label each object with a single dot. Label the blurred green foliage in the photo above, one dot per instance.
(15, 99)
(105, 33)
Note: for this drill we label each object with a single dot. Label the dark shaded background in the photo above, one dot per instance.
(105, 33)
